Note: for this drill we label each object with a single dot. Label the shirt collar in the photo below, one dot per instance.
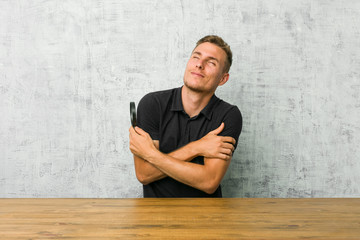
(177, 102)
(178, 106)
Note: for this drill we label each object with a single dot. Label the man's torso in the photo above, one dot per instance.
(161, 114)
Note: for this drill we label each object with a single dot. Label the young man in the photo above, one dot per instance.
(185, 136)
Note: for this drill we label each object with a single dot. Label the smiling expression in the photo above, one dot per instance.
(205, 69)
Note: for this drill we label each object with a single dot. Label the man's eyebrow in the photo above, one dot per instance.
(212, 58)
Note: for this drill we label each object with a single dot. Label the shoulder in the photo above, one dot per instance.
(151, 109)
(158, 95)
(157, 101)
(231, 116)
(224, 108)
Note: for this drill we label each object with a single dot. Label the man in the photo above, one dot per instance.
(185, 137)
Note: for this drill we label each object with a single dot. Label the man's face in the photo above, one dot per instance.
(204, 70)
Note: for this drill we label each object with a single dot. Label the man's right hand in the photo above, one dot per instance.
(214, 146)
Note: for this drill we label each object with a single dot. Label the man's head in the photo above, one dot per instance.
(208, 65)
(218, 41)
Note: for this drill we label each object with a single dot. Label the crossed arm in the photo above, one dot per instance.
(152, 165)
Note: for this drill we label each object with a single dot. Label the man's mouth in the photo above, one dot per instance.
(197, 74)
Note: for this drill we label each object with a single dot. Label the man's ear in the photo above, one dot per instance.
(224, 79)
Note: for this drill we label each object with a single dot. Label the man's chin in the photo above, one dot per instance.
(194, 88)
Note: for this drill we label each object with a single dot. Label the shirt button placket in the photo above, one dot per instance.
(187, 130)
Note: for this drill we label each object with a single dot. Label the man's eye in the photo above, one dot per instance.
(212, 63)
(196, 57)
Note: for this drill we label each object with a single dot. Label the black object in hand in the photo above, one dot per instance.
(133, 114)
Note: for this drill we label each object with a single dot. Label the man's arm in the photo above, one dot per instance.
(147, 173)
(211, 146)
(207, 177)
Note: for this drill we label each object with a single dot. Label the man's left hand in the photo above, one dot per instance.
(141, 143)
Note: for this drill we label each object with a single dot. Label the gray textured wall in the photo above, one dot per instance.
(68, 70)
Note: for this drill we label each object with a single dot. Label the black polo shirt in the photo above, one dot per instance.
(162, 115)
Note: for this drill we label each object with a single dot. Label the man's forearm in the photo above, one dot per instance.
(185, 153)
(147, 172)
(203, 177)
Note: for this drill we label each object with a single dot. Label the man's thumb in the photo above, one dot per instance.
(219, 129)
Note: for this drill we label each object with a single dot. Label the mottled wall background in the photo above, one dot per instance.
(68, 70)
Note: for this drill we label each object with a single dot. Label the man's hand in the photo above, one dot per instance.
(141, 143)
(214, 146)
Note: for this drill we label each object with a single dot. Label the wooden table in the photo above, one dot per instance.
(227, 218)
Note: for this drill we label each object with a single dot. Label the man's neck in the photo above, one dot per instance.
(194, 102)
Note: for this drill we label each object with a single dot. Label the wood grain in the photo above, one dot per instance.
(227, 218)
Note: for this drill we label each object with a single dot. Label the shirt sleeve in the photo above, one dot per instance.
(233, 124)
(148, 116)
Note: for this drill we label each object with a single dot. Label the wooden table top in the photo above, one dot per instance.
(227, 218)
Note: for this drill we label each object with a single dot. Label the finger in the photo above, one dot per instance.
(139, 131)
(131, 132)
(227, 152)
(228, 139)
(224, 157)
(228, 146)
(218, 130)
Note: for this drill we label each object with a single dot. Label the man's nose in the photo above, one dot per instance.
(199, 65)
